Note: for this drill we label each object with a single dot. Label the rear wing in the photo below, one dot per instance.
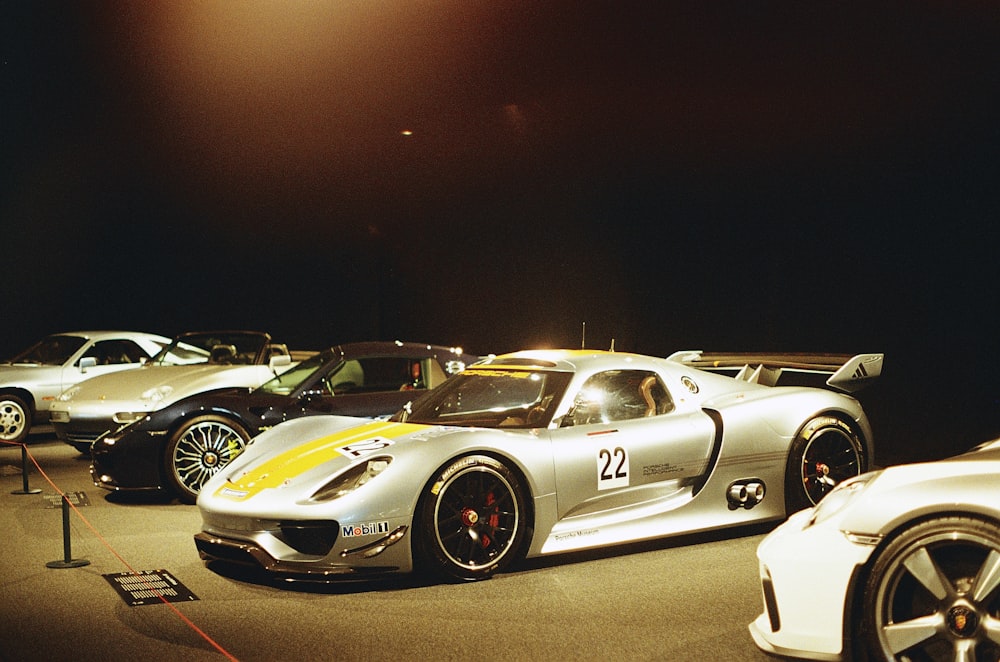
(847, 373)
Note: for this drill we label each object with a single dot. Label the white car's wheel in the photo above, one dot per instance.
(826, 451)
(15, 419)
(198, 450)
(934, 593)
(472, 519)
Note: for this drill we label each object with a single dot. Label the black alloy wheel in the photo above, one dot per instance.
(472, 519)
(825, 452)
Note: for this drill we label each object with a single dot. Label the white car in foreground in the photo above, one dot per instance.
(898, 564)
(31, 380)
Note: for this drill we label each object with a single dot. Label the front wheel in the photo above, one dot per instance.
(934, 594)
(826, 451)
(15, 419)
(472, 519)
(198, 450)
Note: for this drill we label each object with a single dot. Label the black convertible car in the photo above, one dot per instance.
(180, 446)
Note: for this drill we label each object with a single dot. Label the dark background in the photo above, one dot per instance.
(738, 176)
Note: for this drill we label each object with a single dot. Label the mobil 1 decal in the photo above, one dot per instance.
(612, 468)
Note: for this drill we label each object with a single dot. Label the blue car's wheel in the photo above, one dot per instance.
(472, 519)
(198, 450)
(934, 594)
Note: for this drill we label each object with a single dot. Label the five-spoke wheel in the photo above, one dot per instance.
(198, 450)
(472, 519)
(934, 593)
(15, 419)
(826, 451)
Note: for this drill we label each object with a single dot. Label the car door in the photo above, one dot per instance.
(624, 442)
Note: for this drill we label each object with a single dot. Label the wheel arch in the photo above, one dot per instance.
(508, 461)
(860, 428)
(22, 394)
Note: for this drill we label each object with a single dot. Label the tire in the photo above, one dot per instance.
(471, 519)
(198, 450)
(15, 419)
(933, 593)
(826, 451)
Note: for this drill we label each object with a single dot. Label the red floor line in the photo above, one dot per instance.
(118, 556)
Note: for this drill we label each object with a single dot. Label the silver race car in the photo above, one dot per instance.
(899, 564)
(536, 453)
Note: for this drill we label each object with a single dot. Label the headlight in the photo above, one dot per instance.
(351, 479)
(155, 395)
(840, 497)
(68, 394)
(126, 417)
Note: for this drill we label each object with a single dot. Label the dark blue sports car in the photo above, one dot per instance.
(180, 446)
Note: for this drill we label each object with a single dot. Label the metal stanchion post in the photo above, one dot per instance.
(24, 474)
(68, 561)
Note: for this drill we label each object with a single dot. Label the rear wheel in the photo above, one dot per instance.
(934, 594)
(826, 451)
(198, 450)
(472, 519)
(15, 419)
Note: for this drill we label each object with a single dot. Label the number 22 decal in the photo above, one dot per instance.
(612, 468)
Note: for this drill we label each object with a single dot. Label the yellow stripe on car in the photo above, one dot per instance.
(303, 457)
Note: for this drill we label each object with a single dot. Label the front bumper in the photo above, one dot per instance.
(133, 462)
(307, 555)
(806, 573)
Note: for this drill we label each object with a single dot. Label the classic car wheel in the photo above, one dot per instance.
(934, 593)
(472, 519)
(15, 419)
(198, 450)
(826, 451)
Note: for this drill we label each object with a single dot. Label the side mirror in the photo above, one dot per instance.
(279, 360)
(87, 362)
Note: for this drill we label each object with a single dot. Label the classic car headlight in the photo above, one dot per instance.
(839, 498)
(351, 479)
(68, 394)
(156, 394)
(126, 417)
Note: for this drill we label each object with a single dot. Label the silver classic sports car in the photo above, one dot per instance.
(30, 381)
(190, 363)
(898, 564)
(536, 453)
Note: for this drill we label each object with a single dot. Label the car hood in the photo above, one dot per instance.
(180, 381)
(298, 451)
(289, 462)
(20, 374)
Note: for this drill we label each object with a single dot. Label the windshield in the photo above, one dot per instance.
(222, 348)
(52, 350)
(295, 376)
(492, 398)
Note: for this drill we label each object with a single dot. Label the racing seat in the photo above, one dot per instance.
(223, 355)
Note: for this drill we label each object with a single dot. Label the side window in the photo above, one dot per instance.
(373, 374)
(116, 352)
(620, 395)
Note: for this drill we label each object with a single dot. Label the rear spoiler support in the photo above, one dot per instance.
(847, 373)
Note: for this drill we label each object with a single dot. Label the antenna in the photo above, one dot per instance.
(612, 344)
(583, 338)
